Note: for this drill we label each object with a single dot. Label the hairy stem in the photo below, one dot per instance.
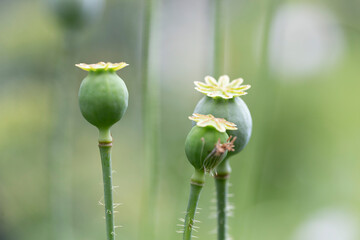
(105, 153)
(221, 194)
(222, 186)
(197, 182)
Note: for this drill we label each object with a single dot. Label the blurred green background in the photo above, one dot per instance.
(296, 180)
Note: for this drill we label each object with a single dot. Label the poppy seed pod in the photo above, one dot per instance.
(207, 143)
(223, 101)
(103, 96)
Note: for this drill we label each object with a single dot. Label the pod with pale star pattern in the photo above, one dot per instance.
(207, 144)
(223, 101)
(103, 96)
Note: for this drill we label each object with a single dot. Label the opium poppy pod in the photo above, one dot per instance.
(103, 96)
(223, 101)
(207, 144)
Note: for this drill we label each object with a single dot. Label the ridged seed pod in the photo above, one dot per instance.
(223, 101)
(207, 143)
(103, 96)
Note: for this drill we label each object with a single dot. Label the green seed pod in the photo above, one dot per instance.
(223, 101)
(103, 96)
(207, 143)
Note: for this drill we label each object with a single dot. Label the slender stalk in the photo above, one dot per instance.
(61, 142)
(197, 183)
(105, 154)
(191, 210)
(221, 194)
(145, 43)
(222, 185)
(265, 86)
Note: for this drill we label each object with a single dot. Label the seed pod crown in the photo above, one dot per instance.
(223, 100)
(103, 96)
(222, 88)
(208, 143)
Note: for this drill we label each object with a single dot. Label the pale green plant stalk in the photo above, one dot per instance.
(197, 182)
(151, 113)
(105, 154)
(268, 87)
(222, 188)
(59, 164)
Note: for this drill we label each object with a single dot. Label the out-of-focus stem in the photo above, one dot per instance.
(60, 143)
(264, 86)
(150, 113)
(219, 33)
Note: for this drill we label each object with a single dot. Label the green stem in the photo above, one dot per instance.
(150, 113)
(191, 210)
(222, 186)
(221, 194)
(105, 153)
(266, 87)
(145, 43)
(105, 135)
(197, 182)
(61, 141)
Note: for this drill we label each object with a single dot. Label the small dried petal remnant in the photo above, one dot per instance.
(221, 148)
(222, 88)
(219, 124)
(218, 153)
(102, 66)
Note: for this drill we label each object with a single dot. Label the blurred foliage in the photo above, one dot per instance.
(302, 158)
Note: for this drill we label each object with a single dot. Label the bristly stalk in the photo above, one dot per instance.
(105, 154)
(197, 183)
(222, 185)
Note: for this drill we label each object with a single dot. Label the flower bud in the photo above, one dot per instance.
(223, 101)
(103, 96)
(207, 143)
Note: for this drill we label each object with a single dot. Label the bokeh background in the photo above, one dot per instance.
(298, 178)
